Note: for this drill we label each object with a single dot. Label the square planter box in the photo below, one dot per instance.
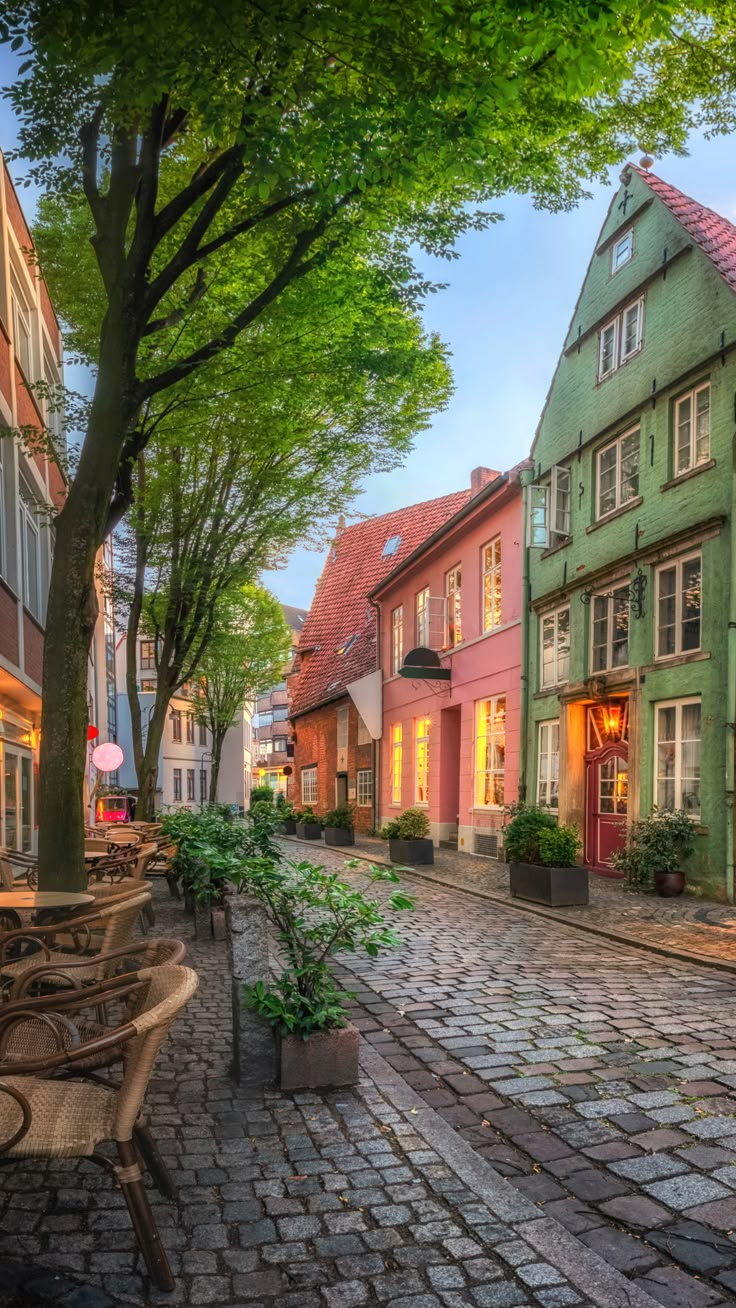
(549, 885)
(420, 850)
(327, 1058)
(308, 830)
(288, 827)
(339, 836)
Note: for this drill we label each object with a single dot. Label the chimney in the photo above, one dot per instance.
(480, 477)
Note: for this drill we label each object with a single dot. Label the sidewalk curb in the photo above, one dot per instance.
(602, 1283)
(617, 937)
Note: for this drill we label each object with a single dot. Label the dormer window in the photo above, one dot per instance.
(391, 546)
(622, 251)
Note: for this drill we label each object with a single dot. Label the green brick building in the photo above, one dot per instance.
(630, 651)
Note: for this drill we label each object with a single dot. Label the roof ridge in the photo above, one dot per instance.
(713, 233)
(406, 508)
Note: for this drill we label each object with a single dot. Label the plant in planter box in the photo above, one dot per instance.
(408, 838)
(285, 812)
(338, 825)
(542, 854)
(316, 915)
(308, 825)
(261, 795)
(656, 848)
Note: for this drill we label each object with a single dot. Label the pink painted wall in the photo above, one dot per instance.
(485, 665)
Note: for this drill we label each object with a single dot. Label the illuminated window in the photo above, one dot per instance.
(548, 765)
(397, 639)
(679, 601)
(492, 585)
(490, 752)
(453, 597)
(397, 761)
(677, 767)
(692, 429)
(421, 761)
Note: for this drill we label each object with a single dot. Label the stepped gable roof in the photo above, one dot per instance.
(713, 234)
(338, 639)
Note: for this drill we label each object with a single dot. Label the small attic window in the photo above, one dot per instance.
(346, 645)
(622, 251)
(391, 546)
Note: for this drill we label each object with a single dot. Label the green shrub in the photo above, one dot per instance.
(261, 795)
(342, 816)
(412, 824)
(521, 836)
(305, 815)
(211, 847)
(558, 846)
(661, 842)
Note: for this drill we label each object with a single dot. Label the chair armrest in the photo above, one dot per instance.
(25, 1108)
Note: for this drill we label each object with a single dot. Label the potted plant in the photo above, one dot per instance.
(261, 795)
(408, 838)
(541, 855)
(656, 848)
(338, 825)
(286, 813)
(316, 915)
(307, 824)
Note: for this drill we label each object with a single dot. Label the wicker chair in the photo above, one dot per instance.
(117, 835)
(91, 935)
(59, 978)
(44, 1117)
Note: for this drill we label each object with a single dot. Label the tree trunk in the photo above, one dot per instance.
(215, 773)
(145, 810)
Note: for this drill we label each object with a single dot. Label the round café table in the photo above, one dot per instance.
(30, 900)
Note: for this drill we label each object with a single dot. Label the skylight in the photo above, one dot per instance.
(391, 546)
(346, 645)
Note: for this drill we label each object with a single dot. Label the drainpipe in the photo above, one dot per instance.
(377, 743)
(526, 477)
(731, 697)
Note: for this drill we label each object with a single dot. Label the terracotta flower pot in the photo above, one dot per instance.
(669, 884)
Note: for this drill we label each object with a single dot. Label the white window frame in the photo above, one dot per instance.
(343, 727)
(546, 772)
(627, 241)
(561, 673)
(678, 705)
(397, 639)
(492, 583)
(677, 565)
(618, 325)
(454, 606)
(27, 523)
(422, 617)
(397, 761)
(610, 601)
(22, 328)
(54, 415)
(177, 785)
(692, 396)
(493, 738)
(617, 444)
(364, 787)
(549, 510)
(310, 790)
(422, 728)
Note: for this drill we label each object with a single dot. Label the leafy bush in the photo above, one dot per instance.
(521, 836)
(316, 914)
(558, 846)
(211, 847)
(661, 842)
(305, 815)
(342, 816)
(261, 795)
(412, 824)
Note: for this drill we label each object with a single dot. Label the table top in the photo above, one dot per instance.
(43, 899)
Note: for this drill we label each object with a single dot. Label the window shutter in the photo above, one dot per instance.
(537, 521)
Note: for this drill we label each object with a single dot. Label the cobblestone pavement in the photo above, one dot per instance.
(306, 1201)
(688, 926)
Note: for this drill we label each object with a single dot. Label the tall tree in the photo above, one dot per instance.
(289, 132)
(248, 652)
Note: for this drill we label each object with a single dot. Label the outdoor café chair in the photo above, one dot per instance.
(42, 1116)
(117, 835)
(59, 978)
(91, 935)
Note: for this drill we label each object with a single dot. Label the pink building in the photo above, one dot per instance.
(452, 748)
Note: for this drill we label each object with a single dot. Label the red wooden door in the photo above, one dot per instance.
(607, 805)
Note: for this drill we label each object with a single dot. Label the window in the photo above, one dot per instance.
(622, 250)
(30, 556)
(620, 339)
(364, 735)
(176, 724)
(3, 556)
(391, 546)
(548, 510)
(148, 655)
(397, 761)
(190, 730)
(22, 339)
(190, 783)
(610, 641)
(279, 744)
(265, 719)
(490, 752)
(365, 787)
(492, 585)
(177, 785)
(423, 617)
(309, 785)
(548, 765)
(555, 654)
(692, 429)
(343, 726)
(618, 473)
(202, 732)
(281, 713)
(203, 786)
(53, 402)
(453, 596)
(421, 761)
(677, 775)
(397, 639)
(679, 602)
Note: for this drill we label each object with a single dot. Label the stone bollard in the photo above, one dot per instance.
(254, 1040)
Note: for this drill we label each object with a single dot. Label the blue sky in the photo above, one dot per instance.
(503, 316)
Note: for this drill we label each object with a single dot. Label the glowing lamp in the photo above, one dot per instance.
(612, 720)
(107, 758)
(92, 732)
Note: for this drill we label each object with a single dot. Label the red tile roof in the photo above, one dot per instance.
(341, 619)
(714, 235)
